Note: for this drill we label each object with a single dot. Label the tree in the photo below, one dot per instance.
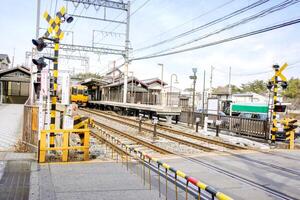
(257, 86)
(293, 89)
(224, 89)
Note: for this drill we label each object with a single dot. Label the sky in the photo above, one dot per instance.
(159, 20)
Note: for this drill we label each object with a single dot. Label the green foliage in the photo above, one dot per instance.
(256, 86)
(83, 76)
(259, 87)
(224, 89)
(293, 89)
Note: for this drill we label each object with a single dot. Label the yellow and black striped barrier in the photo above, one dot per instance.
(65, 146)
(54, 25)
(177, 173)
(289, 129)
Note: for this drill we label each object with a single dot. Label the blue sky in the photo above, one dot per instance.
(245, 56)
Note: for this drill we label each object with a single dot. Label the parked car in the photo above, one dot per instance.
(260, 116)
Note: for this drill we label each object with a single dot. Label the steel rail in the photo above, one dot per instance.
(166, 136)
(196, 137)
(117, 148)
(135, 139)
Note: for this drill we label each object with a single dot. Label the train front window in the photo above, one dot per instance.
(80, 91)
(74, 91)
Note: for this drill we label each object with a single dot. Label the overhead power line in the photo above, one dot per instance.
(211, 23)
(188, 21)
(259, 31)
(290, 66)
(260, 14)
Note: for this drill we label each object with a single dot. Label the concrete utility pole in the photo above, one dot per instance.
(203, 93)
(194, 78)
(38, 14)
(211, 77)
(229, 82)
(162, 81)
(126, 56)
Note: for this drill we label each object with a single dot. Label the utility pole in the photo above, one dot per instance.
(162, 82)
(211, 76)
(229, 82)
(194, 78)
(126, 53)
(203, 93)
(38, 13)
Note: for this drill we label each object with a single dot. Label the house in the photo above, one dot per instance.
(173, 95)
(4, 61)
(14, 85)
(155, 86)
(137, 91)
(250, 97)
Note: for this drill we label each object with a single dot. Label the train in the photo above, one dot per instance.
(79, 95)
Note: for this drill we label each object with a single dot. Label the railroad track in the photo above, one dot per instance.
(134, 123)
(131, 140)
(250, 160)
(261, 186)
(163, 135)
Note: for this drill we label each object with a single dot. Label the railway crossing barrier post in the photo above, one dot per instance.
(273, 83)
(140, 123)
(197, 124)
(289, 128)
(218, 123)
(155, 121)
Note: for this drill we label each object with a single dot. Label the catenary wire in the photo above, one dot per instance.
(211, 23)
(262, 13)
(248, 34)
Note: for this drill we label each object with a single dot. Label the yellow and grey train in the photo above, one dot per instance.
(79, 95)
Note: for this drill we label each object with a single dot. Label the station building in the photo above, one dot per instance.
(14, 85)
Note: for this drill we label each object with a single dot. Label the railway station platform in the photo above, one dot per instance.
(90, 180)
(158, 109)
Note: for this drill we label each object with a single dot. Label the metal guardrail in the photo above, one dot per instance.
(180, 179)
(43, 146)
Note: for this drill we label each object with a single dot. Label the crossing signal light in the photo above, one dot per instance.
(68, 18)
(39, 43)
(269, 85)
(279, 108)
(284, 85)
(40, 64)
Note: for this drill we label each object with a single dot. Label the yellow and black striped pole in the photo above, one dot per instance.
(274, 118)
(54, 26)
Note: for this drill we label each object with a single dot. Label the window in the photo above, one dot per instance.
(74, 91)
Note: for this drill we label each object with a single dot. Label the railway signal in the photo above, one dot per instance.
(39, 43)
(54, 26)
(272, 85)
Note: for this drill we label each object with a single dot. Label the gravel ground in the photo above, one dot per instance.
(161, 142)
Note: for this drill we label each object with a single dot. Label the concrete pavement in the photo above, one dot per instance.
(11, 125)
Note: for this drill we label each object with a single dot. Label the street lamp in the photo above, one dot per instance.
(176, 82)
(194, 78)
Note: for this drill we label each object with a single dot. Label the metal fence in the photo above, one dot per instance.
(30, 127)
(244, 126)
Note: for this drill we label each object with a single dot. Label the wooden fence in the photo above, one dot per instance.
(30, 127)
